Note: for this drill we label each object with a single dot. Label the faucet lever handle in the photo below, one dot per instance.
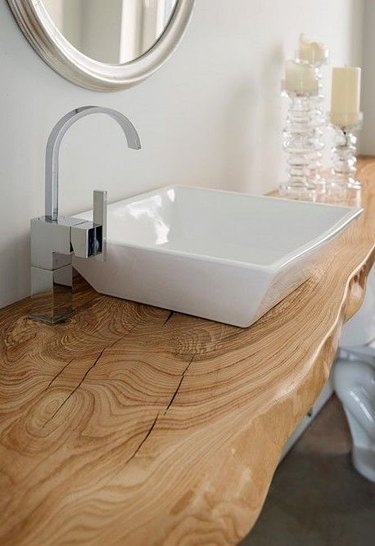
(100, 210)
(100, 215)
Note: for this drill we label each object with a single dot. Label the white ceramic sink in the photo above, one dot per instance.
(220, 255)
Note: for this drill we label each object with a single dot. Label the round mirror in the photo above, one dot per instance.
(113, 31)
(103, 44)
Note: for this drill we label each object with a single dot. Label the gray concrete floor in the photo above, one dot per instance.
(316, 498)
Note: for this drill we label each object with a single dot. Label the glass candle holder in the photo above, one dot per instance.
(318, 117)
(344, 152)
(299, 142)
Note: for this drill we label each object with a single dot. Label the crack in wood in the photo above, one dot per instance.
(178, 386)
(77, 386)
(170, 315)
(144, 439)
(84, 376)
(153, 424)
(60, 372)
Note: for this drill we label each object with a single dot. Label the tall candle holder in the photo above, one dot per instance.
(344, 152)
(316, 55)
(299, 142)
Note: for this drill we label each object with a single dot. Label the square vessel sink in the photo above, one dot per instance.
(219, 255)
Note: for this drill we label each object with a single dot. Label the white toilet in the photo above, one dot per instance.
(354, 381)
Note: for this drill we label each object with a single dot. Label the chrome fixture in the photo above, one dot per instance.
(54, 238)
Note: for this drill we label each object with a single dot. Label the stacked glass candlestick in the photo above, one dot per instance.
(346, 119)
(315, 54)
(299, 137)
(303, 134)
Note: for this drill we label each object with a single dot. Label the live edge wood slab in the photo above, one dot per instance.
(132, 425)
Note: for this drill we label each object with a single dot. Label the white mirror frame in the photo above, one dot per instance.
(34, 21)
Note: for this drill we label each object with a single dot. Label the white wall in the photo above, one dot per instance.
(211, 116)
(367, 135)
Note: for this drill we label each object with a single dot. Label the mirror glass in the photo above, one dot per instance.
(111, 31)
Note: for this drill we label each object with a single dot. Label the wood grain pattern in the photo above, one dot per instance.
(137, 426)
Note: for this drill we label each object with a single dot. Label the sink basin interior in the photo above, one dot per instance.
(221, 225)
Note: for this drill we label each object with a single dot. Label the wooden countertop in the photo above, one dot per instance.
(137, 426)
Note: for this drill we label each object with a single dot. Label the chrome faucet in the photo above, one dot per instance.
(54, 238)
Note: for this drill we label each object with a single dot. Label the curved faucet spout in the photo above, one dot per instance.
(53, 148)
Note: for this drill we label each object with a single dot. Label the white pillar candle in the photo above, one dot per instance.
(312, 52)
(345, 98)
(300, 78)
